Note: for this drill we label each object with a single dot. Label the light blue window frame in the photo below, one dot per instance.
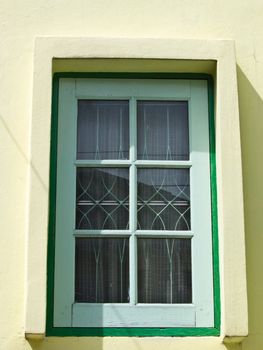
(201, 312)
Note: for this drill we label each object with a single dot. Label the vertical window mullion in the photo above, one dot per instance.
(133, 129)
(133, 202)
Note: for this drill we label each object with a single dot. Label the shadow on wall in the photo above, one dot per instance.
(67, 343)
(251, 119)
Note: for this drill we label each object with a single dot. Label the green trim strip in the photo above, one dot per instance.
(214, 202)
(131, 332)
(52, 206)
(122, 75)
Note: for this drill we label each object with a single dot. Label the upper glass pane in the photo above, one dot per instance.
(103, 129)
(163, 132)
(163, 199)
(102, 199)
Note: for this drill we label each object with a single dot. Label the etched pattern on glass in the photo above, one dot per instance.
(163, 200)
(163, 132)
(102, 270)
(103, 129)
(102, 198)
(164, 270)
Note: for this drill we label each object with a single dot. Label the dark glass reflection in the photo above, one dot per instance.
(163, 132)
(103, 129)
(102, 198)
(164, 270)
(163, 199)
(102, 270)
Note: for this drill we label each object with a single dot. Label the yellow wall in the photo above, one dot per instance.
(20, 23)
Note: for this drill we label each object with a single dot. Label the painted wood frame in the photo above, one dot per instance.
(212, 326)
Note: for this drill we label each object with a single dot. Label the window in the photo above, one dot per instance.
(133, 224)
(69, 54)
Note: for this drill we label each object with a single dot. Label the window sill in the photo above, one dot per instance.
(37, 338)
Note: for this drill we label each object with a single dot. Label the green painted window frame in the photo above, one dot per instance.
(79, 331)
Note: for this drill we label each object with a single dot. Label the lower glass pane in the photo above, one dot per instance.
(164, 270)
(102, 270)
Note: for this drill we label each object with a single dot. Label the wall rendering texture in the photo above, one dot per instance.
(20, 23)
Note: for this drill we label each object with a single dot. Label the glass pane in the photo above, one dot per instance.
(102, 198)
(164, 270)
(163, 130)
(103, 129)
(163, 199)
(102, 270)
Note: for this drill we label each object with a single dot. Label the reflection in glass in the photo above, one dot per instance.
(103, 129)
(163, 132)
(164, 270)
(102, 270)
(163, 199)
(102, 198)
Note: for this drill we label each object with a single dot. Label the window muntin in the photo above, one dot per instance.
(176, 174)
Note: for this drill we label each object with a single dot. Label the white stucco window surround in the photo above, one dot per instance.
(142, 55)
